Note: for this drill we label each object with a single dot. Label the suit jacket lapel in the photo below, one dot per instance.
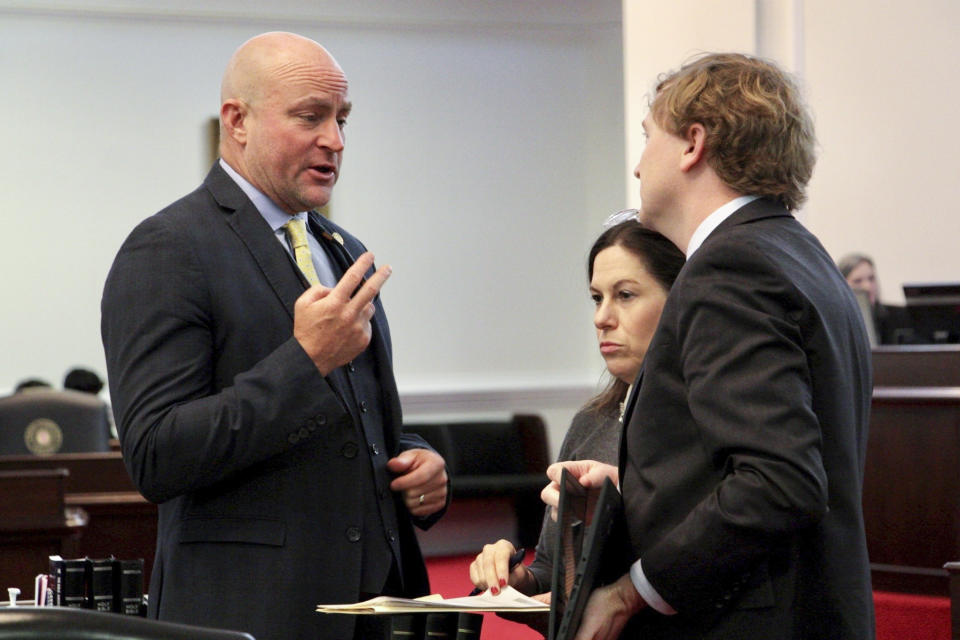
(379, 342)
(630, 402)
(256, 234)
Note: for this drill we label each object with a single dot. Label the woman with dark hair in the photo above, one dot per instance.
(631, 270)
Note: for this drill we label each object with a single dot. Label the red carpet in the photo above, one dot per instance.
(450, 577)
(904, 616)
(899, 616)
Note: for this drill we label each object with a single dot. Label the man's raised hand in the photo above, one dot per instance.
(333, 325)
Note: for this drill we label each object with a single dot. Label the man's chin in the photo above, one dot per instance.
(315, 199)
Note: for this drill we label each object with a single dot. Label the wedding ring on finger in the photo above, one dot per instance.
(420, 500)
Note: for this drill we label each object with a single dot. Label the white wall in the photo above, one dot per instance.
(486, 146)
(886, 101)
(658, 37)
(484, 149)
(880, 79)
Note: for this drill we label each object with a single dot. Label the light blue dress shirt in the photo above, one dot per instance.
(276, 218)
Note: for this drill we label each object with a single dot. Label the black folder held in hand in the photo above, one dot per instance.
(587, 530)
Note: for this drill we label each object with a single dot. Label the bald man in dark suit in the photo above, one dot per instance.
(251, 376)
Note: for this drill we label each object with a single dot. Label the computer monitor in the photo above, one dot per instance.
(935, 310)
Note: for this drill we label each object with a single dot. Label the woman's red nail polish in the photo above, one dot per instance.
(503, 582)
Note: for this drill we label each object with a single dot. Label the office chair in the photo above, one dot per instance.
(66, 623)
(46, 421)
(496, 458)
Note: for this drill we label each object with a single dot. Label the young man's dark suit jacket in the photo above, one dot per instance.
(227, 424)
(743, 455)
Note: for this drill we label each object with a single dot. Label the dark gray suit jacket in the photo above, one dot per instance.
(743, 456)
(225, 422)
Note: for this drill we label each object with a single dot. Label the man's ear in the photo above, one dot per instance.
(695, 150)
(233, 117)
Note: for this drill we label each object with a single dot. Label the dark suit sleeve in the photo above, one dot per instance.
(180, 428)
(748, 388)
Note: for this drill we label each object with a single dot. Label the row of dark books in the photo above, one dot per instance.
(105, 584)
(436, 626)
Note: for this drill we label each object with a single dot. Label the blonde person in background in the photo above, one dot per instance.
(892, 323)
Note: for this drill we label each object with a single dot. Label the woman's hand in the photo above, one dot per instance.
(589, 473)
(491, 569)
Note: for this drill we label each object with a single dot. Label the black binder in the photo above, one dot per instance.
(436, 626)
(128, 587)
(407, 626)
(69, 577)
(586, 529)
(441, 626)
(469, 625)
(99, 584)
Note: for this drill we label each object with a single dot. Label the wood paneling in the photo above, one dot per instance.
(911, 494)
(97, 513)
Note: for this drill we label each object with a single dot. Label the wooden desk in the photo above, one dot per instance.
(34, 524)
(916, 366)
(911, 494)
(89, 472)
(118, 520)
(122, 524)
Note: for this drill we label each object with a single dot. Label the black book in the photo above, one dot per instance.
(99, 584)
(128, 586)
(69, 578)
(441, 626)
(468, 625)
(407, 626)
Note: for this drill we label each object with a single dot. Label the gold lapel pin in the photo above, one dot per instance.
(338, 238)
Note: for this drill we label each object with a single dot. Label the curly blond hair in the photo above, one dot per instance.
(760, 138)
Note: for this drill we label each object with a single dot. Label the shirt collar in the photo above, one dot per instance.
(274, 215)
(626, 399)
(712, 221)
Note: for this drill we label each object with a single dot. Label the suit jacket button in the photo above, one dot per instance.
(303, 433)
(294, 438)
(349, 450)
(321, 420)
(353, 534)
(363, 406)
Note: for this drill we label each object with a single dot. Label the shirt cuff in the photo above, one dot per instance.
(647, 592)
